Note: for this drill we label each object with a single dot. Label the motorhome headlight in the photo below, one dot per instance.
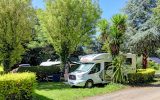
(80, 76)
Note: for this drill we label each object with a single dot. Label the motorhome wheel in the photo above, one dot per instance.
(89, 84)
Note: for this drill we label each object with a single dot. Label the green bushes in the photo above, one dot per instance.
(153, 65)
(41, 71)
(48, 70)
(19, 86)
(142, 76)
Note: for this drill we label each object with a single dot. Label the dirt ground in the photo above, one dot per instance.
(151, 92)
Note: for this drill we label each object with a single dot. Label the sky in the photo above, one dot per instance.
(109, 7)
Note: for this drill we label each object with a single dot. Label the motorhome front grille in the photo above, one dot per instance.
(72, 77)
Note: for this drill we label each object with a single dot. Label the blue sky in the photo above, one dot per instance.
(109, 7)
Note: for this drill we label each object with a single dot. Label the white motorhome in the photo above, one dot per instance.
(97, 68)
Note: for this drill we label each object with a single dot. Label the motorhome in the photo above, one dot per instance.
(97, 68)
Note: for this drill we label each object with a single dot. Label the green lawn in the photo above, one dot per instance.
(158, 71)
(1, 68)
(60, 91)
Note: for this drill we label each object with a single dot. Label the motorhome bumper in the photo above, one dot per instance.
(77, 83)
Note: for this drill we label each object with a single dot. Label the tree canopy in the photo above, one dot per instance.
(69, 23)
(16, 26)
(142, 35)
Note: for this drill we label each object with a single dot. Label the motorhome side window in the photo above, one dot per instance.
(128, 61)
(96, 68)
(107, 64)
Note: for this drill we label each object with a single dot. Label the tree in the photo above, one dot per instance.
(69, 23)
(16, 25)
(156, 14)
(117, 31)
(115, 39)
(143, 35)
(103, 27)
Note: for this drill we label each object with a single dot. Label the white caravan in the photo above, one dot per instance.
(97, 68)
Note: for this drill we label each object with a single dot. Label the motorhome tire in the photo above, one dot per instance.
(89, 84)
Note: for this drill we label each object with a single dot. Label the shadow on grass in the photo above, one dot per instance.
(52, 86)
(154, 83)
(59, 86)
(40, 97)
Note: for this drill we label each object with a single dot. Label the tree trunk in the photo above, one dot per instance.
(114, 49)
(64, 59)
(144, 59)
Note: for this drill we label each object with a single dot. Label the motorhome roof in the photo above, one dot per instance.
(94, 57)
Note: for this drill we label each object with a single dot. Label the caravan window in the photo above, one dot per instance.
(128, 61)
(107, 64)
(96, 68)
(84, 67)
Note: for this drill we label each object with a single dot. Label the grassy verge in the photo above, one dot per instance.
(1, 68)
(158, 71)
(60, 91)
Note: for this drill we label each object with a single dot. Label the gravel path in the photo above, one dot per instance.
(136, 93)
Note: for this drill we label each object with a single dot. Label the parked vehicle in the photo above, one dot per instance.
(50, 63)
(97, 68)
(24, 65)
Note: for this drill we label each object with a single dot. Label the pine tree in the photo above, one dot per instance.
(142, 34)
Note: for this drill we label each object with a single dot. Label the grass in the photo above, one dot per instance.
(61, 91)
(158, 71)
(1, 68)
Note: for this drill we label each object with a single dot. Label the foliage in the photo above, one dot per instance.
(35, 56)
(113, 35)
(69, 23)
(117, 31)
(18, 86)
(142, 75)
(61, 91)
(94, 46)
(106, 47)
(103, 27)
(152, 64)
(16, 25)
(1, 68)
(156, 12)
(118, 63)
(39, 38)
(142, 36)
(41, 71)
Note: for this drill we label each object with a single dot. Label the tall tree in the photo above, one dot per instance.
(69, 23)
(156, 14)
(115, 39)
(16, 26)
(103, 27)
(143, 36)
(117, 31)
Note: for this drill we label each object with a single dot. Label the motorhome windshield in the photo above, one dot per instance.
(84, 67)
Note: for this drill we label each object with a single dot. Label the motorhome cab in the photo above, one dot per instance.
(97, 68)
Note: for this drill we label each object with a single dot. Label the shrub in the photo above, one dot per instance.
(141, 76)
(17, 86)
(41, 71)
(153, 65)
(48, 70)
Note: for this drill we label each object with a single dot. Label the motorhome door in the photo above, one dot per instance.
(108, 71)
(94, 74)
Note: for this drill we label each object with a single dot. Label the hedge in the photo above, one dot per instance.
(141, 76)
(17, 86)
(41, 71)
